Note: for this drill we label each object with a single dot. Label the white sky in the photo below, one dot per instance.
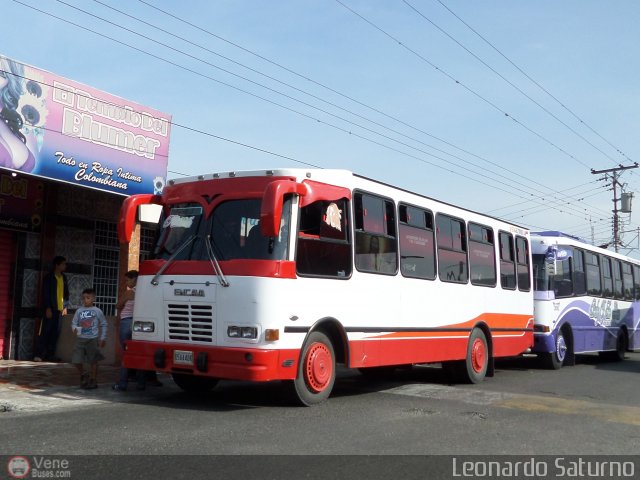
(583, 52)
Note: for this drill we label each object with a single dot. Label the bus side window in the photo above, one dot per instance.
(522, 261)
(451, 239)
(636, 282)
(417, 255)
(607, 277)
(507, 261)
(579, 277)
(562, 281)
(627, 280)
(323, 246)
(594, 278)
(482, 255)
(376, 245)
(618, 291)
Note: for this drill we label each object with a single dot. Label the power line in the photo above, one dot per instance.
(278, 104)
(463, 85)
(535, 82)
(250, 146)
(422, 15)
(325, 87)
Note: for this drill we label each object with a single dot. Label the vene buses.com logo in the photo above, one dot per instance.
(18, 467)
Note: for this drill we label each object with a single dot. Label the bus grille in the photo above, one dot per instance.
(190, 322)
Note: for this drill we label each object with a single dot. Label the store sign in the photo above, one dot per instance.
(60, 129)
(21, 203)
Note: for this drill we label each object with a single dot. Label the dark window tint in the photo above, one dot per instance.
(376, 244)
(507, 261)
(594, 284)
(417, 249)
(522, 261)
(607, 277)
(323, 246)
(636, 282)
(452, 249)
(579, 276)
(627, 280)
(618, 291)
(482, 256)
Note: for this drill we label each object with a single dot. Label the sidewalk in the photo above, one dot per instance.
(39, 386)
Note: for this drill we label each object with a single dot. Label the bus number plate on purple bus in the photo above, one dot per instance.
(182, 357)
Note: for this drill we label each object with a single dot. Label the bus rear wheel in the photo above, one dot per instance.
(621, 348)
(316, 370)
(477, 362)
(194, 383)
(474, 367)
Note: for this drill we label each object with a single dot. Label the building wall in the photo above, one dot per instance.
(74, 223)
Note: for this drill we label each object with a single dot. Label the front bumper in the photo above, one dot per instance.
(250, 364)
(544, 342)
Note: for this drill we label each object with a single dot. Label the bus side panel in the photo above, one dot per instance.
(511, 344)
(400, 351)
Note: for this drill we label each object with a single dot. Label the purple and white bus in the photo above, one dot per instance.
(585, 300)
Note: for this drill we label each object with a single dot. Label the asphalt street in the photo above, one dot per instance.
(588, 409)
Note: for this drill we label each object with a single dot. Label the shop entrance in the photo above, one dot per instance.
(7, 272)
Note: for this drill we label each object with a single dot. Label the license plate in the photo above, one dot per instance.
(182, 357)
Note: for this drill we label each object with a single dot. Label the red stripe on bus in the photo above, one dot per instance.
(243, 267)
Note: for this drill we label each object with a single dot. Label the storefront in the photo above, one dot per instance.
(79, 153)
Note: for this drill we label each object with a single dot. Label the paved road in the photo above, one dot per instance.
(591, 408)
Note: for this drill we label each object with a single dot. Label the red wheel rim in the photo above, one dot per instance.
(478, 355)
(318, 367)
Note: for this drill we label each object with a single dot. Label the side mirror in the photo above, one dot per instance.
(272, 200)
(129, 212)
(149, 213)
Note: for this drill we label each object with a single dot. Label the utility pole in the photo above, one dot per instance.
(615, 184)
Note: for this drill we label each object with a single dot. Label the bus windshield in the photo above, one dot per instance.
(233, 229)
(182, 223)
(555, 275)
(236, 234)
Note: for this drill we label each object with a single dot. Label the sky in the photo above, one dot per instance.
(504, 107)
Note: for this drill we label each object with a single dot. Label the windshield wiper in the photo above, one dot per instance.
(214, 263)
(154, 280)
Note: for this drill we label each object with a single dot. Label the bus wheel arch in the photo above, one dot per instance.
(323, 348)
(478, 361)
(563, 353)
(622, 345)
(487, 333)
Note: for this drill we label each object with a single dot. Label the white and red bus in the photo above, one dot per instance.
(281, 274)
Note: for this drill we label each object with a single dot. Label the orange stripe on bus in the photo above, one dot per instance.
(493, 320)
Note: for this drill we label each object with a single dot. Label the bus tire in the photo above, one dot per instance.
(554, 360)
(316, 370)
(474, 368)
(194, 383)
(621, 348)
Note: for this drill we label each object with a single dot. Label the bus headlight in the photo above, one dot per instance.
(235, 331)
(145, 327)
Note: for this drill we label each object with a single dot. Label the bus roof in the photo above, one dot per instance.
(326, 175)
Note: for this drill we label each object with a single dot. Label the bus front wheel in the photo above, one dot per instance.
(316, 370)
(554, 360)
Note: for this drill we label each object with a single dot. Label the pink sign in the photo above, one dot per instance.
(57, 128)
